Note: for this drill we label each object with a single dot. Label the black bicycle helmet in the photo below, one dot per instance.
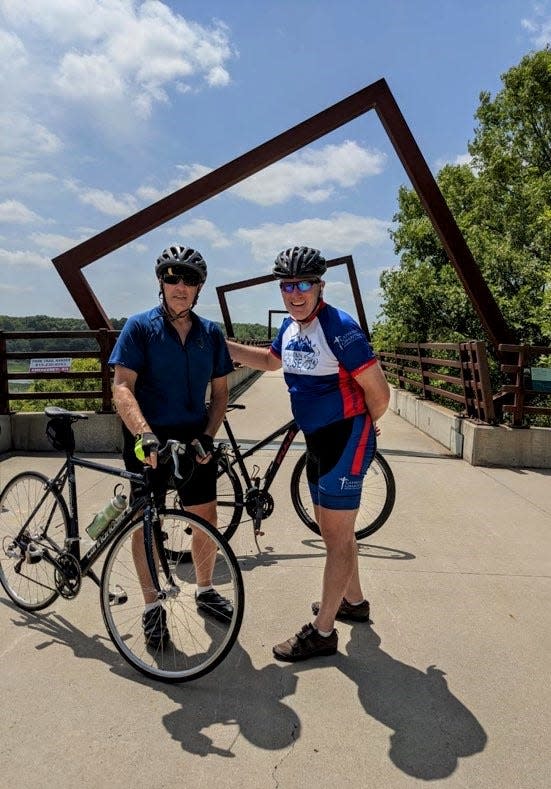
(299, 262)
(181, 257)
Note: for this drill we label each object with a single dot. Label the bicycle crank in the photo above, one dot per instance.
(67, 576)
(259, 504)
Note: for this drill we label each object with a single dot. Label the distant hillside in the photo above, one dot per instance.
(243, 331)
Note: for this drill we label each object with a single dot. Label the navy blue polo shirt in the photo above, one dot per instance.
(172, 377)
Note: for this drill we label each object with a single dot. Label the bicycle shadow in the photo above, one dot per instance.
(269, 557)
(431, 727)
(235, 694)
(241, 696)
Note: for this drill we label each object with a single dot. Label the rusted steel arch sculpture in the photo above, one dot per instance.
(376, 96)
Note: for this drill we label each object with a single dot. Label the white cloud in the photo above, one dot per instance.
(55, 242)
(23, 259)
(104, 201)
(539, 26)
(312, 174)
(190, 172)
(204, 229)
(15, 212)
(20, 132)
(101, 52)
(461, 158)
(339, 234)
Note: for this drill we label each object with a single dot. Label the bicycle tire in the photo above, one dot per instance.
(378, 497)
(229, 510)
(229, 499)
(30, 583)
(198, 643)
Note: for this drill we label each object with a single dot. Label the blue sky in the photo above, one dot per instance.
(109, 105)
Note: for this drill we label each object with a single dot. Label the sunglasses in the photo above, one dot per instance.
(303, 286)
(186, 279)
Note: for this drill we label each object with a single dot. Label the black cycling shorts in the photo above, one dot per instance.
(198, 483)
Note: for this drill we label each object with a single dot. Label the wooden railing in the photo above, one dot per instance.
(530, 382)
(455, 373)
(104, 339)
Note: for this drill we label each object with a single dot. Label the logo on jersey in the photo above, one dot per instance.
(344, 340)
(350, 484)
(300, 354)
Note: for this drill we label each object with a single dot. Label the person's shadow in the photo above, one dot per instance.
(432, 729)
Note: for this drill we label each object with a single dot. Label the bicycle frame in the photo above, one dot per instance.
(66, 474)
(291, 429)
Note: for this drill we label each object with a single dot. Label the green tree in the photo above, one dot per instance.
(502, 204)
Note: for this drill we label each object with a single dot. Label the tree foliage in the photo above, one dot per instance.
(502, 204)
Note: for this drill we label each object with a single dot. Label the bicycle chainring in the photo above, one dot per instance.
(67, 576)
(259, 503)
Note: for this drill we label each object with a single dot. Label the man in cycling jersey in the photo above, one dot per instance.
(164, 360)
(338, 391)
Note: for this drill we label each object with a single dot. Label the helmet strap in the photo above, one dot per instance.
(172, 318)
(314, 312)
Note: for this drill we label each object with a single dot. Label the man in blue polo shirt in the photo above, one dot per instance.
(164, 359)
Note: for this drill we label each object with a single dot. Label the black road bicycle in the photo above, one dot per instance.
(254, 497)
(40, 559)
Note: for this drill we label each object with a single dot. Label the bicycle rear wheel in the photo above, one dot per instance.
(229, 510)
(33, 526)
(198, 642)
(378, 496)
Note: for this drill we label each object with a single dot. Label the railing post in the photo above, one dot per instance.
(482, 383)
(427, 395)
(399, 368)
(105, 345)
(4, 383)
(518, 402)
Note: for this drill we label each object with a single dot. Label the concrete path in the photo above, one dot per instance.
(450, 684)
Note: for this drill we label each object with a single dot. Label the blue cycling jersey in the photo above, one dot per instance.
(320, 361)
(172, 377)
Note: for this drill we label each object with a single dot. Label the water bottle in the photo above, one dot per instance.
(107, 515)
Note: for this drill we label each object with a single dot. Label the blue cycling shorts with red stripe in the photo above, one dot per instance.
(338, 457)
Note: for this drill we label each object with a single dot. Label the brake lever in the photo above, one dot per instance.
(174, 451)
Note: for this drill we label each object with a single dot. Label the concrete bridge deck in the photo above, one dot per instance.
(450, 683)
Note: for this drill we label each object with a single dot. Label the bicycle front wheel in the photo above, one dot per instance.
(197, 641)
(377, 502)
(33, 527)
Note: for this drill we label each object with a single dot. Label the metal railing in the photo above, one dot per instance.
(455, 373)
(530, 382)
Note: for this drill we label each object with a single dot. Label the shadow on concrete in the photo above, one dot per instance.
(268, 557)
(235, 694)
(431, 728)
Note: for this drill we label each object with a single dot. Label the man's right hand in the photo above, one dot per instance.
(145, 448)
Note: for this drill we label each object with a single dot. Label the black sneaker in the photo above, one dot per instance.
(155, 628)
(306, 644)
(213, 604)
(348, 612)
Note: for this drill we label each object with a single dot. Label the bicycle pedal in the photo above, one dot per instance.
(118, 598)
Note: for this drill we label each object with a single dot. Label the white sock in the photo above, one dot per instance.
(201, 589)
(358, 603)
(323, 633)
(151, 606)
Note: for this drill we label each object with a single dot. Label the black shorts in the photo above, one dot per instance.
(198, 483)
